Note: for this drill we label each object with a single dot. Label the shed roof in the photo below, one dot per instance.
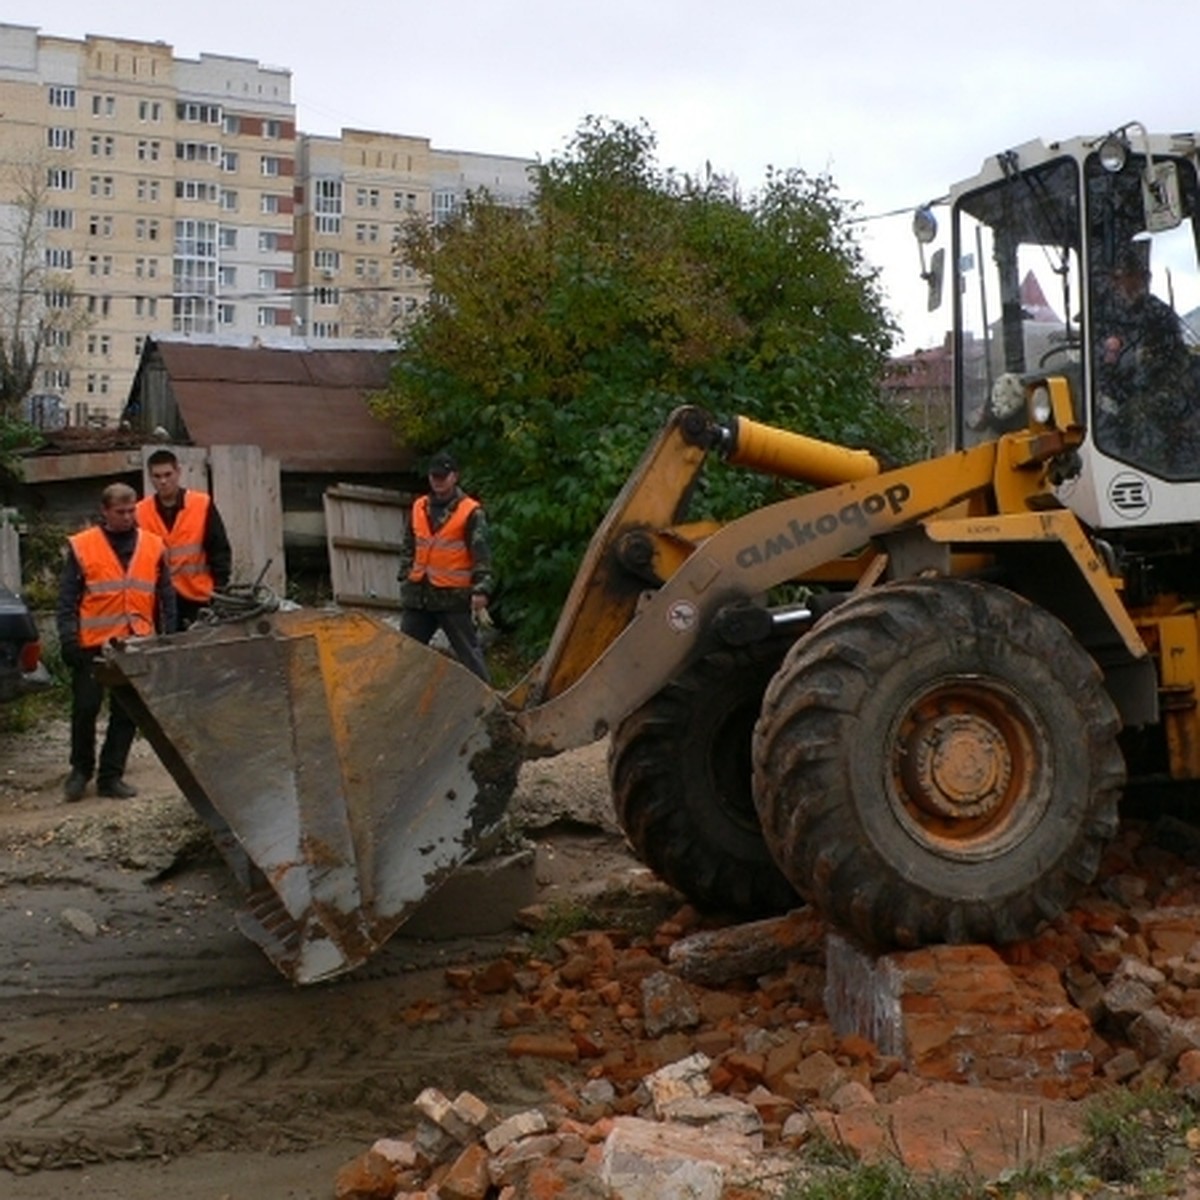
(302, 405)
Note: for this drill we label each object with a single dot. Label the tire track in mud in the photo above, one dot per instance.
(279, 1072)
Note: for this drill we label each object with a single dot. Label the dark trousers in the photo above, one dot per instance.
(87, 698)
(459, 629)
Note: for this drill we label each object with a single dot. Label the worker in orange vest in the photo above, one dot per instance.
(114, 585)
(198, 550)
(446, 567)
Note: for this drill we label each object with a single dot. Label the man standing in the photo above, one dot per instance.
(197, 546)
(114, 584)
(446, 566)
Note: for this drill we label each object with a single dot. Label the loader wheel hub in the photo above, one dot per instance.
(958, 766)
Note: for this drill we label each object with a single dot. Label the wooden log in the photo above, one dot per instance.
(718, 956)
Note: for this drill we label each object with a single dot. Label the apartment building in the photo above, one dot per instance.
(142, 193)
(354, 193)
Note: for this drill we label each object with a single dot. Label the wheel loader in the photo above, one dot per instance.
(910, 696)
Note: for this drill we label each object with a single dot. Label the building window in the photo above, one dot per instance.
(445, 205)
(198, 152)
(326, 329)
(366, 231)
(60, 179)
(266, 317)
(268, 240)
(202, 114)
(270, 203)
(148, 191)
(59, 301)
(327, 205)
(227, 277)
(138, 342)
(100, 225)
(59, 258)
(103, 146)
(145, 306)
(146, 268)
(102, 185)
(148, 150)
(146, 229)
(58, 138)
(272, 130)
(99, 344)
(226, 314)
(195, 189)
(60, 97)
(60, 218)
(99, 264)
(229, 160)
(269, 165)
(56, 379)
(149, 110)
(99, 306)
(367, 197)
(104, 106)
(267, 280)
(98, 385)
(228, 237)
(229, 200)
(326, 296)
(232, 124)
(327, 260)
(59, 339)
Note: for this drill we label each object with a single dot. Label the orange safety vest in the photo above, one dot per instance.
(443, 558)
(185, 543)
(117, 603)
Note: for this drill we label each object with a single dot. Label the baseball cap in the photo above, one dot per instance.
(442, 463)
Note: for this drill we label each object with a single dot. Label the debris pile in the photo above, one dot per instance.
(697, 1061)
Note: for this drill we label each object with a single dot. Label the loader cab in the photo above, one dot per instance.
(1081, 259)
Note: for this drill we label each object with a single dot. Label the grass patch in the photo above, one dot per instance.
(1138, 1143)
(563, 918)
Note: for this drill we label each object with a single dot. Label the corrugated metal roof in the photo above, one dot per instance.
(305, 407)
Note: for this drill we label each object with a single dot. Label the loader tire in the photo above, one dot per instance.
(937, 761)
(680, 771)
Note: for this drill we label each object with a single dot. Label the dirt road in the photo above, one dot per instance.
(149, 1049)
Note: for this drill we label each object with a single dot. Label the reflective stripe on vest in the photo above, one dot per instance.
(116, 603)
(185, 543)
(443, 558)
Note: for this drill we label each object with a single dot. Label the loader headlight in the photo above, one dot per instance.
(1040, 407)
(1112, 153)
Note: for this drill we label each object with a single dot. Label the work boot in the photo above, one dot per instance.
(75, 786)
(116, 789)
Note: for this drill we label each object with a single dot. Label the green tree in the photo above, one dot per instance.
(558, 338)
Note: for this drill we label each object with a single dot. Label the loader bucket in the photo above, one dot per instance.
(344, 769)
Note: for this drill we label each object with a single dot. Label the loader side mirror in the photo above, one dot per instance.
(1161, 200)
(925, 227)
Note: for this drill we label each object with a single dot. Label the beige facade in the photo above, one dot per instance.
(354, 194)
(151, 194)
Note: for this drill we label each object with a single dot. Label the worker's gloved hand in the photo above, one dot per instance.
(74, 655)
(482, 618)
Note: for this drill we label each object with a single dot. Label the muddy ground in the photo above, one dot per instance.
(148, 1049)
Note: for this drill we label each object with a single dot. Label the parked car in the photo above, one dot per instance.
(21, 668)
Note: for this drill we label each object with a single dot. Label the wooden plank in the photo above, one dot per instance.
(369, 495)
(10, 549)
(246, 489)
(92, 464)
(349, 600)
(364, 530)
(349, 543)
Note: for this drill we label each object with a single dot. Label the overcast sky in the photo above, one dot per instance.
(893, 100)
